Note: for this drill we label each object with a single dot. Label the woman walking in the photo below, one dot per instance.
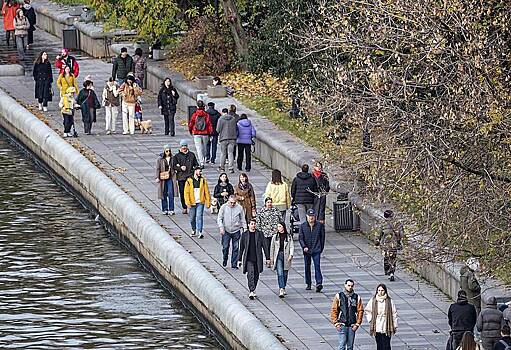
(139, 67)
(278, 191)
(246, 132)
(167, 101)
(166, 179)
(88, 102)
(267, 220)
(9, 9)
(66, 80)
(468, 342)
(323, 188)
(21, 27)
(130, 92)
(43, 79)
(281, 255)
(223, 190)
(381, 314)
(245, 195)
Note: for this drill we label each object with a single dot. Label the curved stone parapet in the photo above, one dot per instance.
(11, 69)
(232, 320)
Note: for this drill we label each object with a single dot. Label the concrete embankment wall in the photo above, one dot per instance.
(238, 327)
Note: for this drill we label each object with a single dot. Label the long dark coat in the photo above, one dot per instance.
(88, 116)
(43, 79)
(244, 242)
(161, 166)
(167, 101)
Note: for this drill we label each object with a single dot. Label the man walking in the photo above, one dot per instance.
(312, 241)
(227, 134)
(303, 191)
(231, 222)
(214, 115)
(346, 314)
(470, 284)
(389, 240)
(251, 256)
(183, 163)
(197, 197)
(462, 317)
(200, 127)
(122, 65)
(489, 323)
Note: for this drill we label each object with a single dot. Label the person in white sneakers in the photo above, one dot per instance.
(251, 256)
(381, 315)
(196, 198)
(111, 103)
(281, 254)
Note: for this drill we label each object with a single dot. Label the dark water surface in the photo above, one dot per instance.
(65, 284)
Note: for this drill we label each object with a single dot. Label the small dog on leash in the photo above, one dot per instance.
(214, 206)
(146, 127)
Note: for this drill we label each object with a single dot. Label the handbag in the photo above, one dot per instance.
(164, 175)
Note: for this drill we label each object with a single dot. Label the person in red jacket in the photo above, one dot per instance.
(64, 59)
(200, 127)
(9, 12)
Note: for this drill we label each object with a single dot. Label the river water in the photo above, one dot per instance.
(66, 284)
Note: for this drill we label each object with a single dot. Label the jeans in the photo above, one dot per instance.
(227, 149)
(68, 122)
(316, 258)
(170, 124)
(247, 150)
(346, 338)
(382, 341)
(227, 238)
(196, 215)
(128, 118)
(87, 126)
(252, 275)
(181, 186)
(20, 46)
(167, 200)
(211, 148)
(281, 273)
(111, 113)
(201, 141)
(302, 211)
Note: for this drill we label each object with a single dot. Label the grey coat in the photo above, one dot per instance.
(469, 283)
(489, 321)
(227, 128)
(244, 241)
(289, 250)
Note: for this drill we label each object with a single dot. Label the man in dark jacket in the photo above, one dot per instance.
(227, 133)
(462, 317)
(29, 12)
(312, 240)
(211, 147)
(183, 163)
(122, 65)
(489, 323)
(251, 256)
(470, 285)
(505, 342)
(389, 240)
(303, 191)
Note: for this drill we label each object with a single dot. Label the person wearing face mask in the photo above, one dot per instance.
(122, 65)
(381, 315)
(346, 314)
(251, 256)
(231, 222)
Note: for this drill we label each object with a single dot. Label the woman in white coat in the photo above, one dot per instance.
(381, 314)
(281, 255)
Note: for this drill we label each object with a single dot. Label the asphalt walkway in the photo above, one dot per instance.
(302, 318)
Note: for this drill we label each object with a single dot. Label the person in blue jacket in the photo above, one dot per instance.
(246, 133)
(312, 240)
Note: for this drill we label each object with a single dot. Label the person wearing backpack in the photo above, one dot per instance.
(505, 342)
(389, 240)
(200, 127)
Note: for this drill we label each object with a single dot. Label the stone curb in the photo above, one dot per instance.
(238, 326)
(11, 69)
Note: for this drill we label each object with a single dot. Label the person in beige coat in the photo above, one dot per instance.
(21, 27)
(281, 255)
(381, 314)
(166, 179)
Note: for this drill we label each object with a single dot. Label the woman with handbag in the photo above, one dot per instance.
(43, 79)
(88, 102)
(245, 195)
(65, 80)
(166, 180)
(281, 254)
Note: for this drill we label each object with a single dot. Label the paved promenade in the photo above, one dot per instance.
(302, 318)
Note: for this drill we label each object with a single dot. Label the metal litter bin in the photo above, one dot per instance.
(70, 38)
(343, 213)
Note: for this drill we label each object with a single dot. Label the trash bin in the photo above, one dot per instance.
(343, 213)
(70, 38)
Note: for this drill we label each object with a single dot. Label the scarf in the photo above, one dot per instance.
(389, 319)
(317, 173)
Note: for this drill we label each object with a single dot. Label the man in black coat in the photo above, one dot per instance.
(183, 164)
(304, 191)
(462, 318)
(251, 256)
(211, 147)
(122, 65)
(312, 241)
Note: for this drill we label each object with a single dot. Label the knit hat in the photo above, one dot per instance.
(183, 143)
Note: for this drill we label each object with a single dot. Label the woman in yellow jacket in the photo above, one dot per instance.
(278, 191)
(66, 80)
(196, 198)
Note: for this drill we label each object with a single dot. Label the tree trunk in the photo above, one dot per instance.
(232, 18)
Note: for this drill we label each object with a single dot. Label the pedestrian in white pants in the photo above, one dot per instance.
(201, 144)
(201, 127)
(129, 92)
(111, 104)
